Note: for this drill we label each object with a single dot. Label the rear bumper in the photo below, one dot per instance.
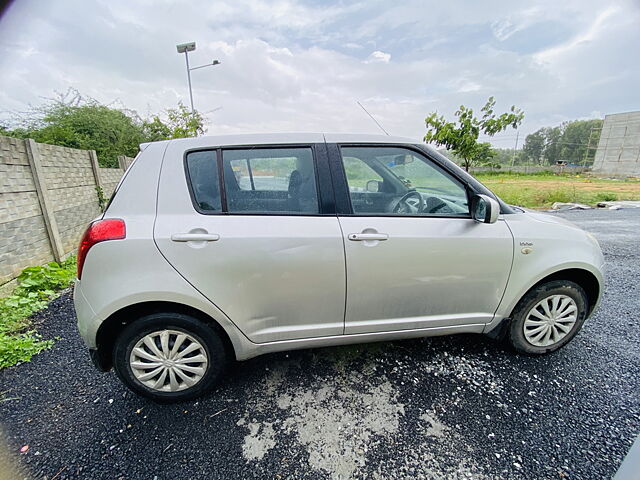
(85, 316)
(86, 326)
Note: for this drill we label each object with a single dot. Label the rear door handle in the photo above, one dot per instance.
(195, 237)
(363, 237)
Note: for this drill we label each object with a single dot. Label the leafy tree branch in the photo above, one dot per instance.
(461, 135)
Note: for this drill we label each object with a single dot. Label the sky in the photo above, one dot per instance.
(291, 65)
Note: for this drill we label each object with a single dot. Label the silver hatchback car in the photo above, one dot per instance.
(216, 248)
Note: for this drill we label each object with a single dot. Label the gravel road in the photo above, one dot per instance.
(451, 407)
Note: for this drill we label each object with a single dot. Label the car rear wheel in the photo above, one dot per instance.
(548, 317)
(169, 357)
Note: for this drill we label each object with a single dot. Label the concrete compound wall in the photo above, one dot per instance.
(48, 196)
(618, 150)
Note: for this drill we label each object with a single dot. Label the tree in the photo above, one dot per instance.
(503, 156)
(461, 136)
(483, 155)
(91, 126)
(542, 146)
(533, 147)
(180, 123)
(71, 120)
(575, 140)
(553, 139)
(568, 142)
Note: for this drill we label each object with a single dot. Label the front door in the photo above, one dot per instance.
(263, 252)
(415, 258)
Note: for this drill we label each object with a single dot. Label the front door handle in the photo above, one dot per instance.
(363, 237)
(195, 237)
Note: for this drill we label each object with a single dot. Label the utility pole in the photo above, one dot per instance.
(513, 159)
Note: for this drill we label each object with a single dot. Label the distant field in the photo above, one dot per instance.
(544, 188)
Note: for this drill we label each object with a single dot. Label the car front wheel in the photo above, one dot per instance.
(169, 357)
(548, 317)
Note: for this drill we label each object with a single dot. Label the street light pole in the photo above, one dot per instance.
(186, 57)
(186, 48)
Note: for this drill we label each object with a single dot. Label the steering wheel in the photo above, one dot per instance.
(411, 202)
(434, 205)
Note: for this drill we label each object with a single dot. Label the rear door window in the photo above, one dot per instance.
(270, 180)
(203, 177)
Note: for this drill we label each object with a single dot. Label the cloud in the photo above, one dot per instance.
(507, 26)
(582, 39)
(378, 57)
(300, 66)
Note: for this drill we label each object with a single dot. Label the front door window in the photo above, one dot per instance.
(399, 181)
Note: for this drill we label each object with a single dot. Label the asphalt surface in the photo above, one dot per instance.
(450, 407)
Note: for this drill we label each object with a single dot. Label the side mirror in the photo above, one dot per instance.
(484, 209)
(372, 186)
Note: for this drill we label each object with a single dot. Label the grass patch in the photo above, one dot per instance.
(36, 286)
(543, 190)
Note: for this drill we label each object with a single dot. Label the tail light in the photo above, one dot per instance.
(99, 231)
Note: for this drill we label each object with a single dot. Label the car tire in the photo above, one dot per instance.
(159, 370)
(528, 329)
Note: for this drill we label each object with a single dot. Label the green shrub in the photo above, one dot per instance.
(45, 279)
(20, 347)
(549, 197)
(36, 286)
(606, 197)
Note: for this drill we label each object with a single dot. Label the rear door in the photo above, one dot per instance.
(254, 229)
(416, 263)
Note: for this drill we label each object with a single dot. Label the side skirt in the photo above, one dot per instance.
(253, 349)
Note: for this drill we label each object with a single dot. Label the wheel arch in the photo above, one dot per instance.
(111, 327)
(584, 278)
(589, 280)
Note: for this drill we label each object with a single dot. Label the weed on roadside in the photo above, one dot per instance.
(36, 286)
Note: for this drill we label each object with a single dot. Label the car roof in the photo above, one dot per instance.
(285, 138)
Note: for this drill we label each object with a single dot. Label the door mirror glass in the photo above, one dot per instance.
(484, 209)
(373, 186)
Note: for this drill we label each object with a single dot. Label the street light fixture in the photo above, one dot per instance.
(186, 48)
